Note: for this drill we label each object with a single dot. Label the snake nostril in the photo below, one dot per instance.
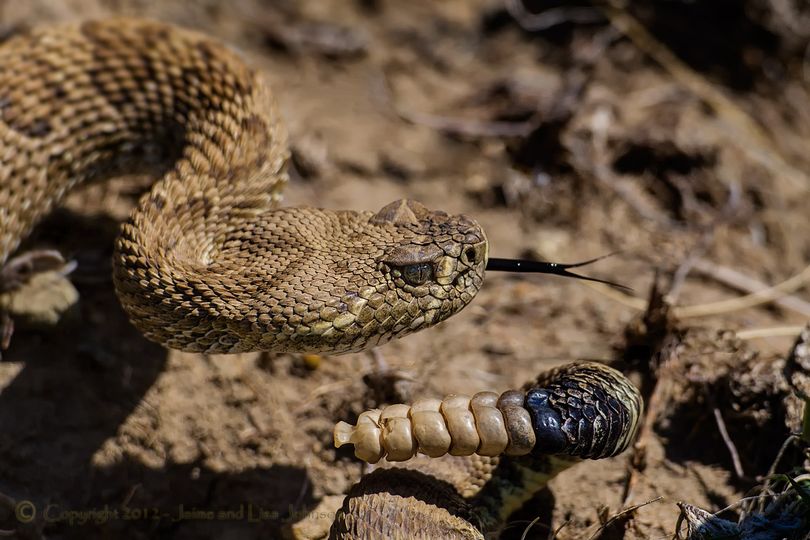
(470, 254)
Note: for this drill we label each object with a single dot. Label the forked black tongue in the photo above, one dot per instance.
(542, 267)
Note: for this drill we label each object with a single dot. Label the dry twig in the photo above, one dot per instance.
(623, 513)
(763, 296)
(732, 448)
(773, 331)
(757, 298)
(738, 280)
(535, 22)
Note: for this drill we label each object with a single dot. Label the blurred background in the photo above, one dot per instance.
(672, 131)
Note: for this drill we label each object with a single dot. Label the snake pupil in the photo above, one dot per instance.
(417, 274)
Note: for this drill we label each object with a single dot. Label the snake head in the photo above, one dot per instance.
(342, 281)
(389, 274)
(432, 266)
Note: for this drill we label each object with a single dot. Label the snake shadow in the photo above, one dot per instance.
(78, 383)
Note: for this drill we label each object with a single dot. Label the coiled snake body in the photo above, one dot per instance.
(207, 262)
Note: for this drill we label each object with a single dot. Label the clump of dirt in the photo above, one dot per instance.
(674, 133)
(718, 374)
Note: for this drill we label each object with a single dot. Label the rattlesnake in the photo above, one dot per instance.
(203, 264)
(207, 263)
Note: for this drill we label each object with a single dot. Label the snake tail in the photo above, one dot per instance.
(469, 462)
(582, 410)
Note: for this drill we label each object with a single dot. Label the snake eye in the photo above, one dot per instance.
(417, 274)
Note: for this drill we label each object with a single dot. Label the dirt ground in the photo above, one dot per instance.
(674, 132)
